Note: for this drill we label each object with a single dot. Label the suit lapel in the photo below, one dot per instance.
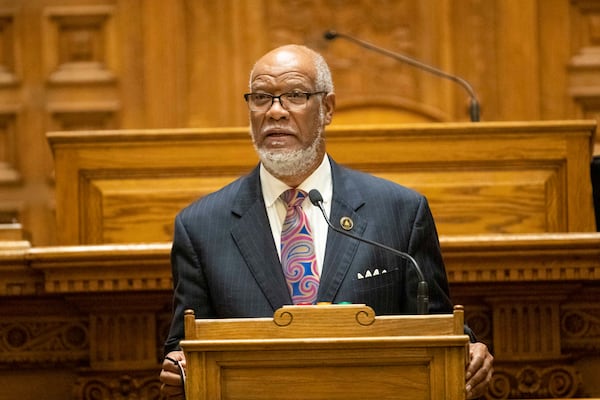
(340, 249)
(252, 234)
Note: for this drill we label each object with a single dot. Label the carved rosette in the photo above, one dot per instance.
(534, 382)
(580, 329)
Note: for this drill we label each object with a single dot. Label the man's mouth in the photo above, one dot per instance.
(278, 132)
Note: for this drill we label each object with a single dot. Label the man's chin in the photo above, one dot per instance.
(287, 163)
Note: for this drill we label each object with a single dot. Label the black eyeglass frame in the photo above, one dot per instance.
(273, 97)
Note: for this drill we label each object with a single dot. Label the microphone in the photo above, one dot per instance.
(474, 106)
(422, 289)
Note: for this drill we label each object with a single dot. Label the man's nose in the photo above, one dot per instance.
(277, 111)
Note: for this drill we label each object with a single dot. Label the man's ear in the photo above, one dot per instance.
(329, 103)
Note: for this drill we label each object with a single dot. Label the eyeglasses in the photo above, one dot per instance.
(291, 101)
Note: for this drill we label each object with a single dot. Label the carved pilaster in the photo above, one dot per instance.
(530, 361)
(527, 330)
(123, 341)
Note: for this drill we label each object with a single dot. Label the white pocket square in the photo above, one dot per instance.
(369, 274)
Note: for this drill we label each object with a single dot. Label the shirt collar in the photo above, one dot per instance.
(320, 179)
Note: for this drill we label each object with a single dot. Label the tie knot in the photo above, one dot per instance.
(293, 197)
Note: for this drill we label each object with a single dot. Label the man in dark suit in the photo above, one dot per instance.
(226, 248)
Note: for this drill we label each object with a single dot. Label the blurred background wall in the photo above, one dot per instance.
(121, 64)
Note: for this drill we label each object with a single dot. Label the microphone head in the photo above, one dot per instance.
(330, 34)
(315, 197)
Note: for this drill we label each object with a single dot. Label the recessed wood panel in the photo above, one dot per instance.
(142, 208)
(479, 178)
(326, 380)
(491, 199)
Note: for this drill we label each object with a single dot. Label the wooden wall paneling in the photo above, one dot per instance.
(80, 67)
(518, 61)
(11, 58)
(165, 63)
(484, 178)
(10, 76)
(11, 125)
(554, 44)
(474, 55)
(224, 40)
(372, 88)
(27, 196)
(119, 214)
(10, 130)
(584, 65)
(96, 190)
(130, 61)
(435, 47)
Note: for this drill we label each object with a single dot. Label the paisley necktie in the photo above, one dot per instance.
(298, 251)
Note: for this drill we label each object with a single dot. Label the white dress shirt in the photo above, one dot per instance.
(272, 188)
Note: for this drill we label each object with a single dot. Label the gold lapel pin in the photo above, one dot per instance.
(346, 223)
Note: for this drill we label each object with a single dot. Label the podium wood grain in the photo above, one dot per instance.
(326, 352)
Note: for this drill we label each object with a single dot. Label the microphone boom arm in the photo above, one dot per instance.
(474, 107)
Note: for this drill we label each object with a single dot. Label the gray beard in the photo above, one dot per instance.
(282, 164)
(291, 163)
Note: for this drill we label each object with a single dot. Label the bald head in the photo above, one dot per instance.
(292, 56)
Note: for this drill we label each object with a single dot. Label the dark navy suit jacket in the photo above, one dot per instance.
(225, 263)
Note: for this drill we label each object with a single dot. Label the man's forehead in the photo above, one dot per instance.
(286, 63)
(288, 77)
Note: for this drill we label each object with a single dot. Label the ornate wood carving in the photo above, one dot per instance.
(534, 382)
(532, 298)
(42, 340)
(117, 386)
(580, 327)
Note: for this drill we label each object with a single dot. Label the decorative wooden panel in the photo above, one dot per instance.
(584, 68)
(9, 49)
(126, 186)
(79, 44)
(65, 309)
(9, 162)
(35, 339)
(80, 50)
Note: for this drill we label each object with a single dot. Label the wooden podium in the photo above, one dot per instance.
(326, 352)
